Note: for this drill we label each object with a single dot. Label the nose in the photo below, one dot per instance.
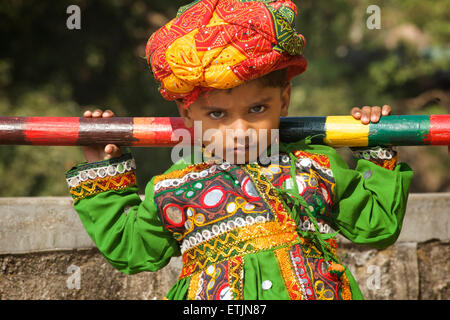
(239, 125)
(239, 131)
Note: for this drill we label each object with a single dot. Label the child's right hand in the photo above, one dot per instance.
(95, 152)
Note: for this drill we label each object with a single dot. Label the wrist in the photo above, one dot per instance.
(385, 157)
(376, 152)
(89, 178)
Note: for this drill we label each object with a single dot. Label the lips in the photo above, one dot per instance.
(236, 149)
(243, 148)
(240, 153)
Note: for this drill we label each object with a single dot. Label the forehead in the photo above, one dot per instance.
(244, 95)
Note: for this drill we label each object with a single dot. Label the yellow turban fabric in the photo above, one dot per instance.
(220, 44)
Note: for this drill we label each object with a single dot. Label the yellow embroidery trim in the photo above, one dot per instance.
(235, 277)
(91, 187)
(240, 241)
(389, 164)
(288, 275)
(346, 293)
(194, 282)
(176, 174)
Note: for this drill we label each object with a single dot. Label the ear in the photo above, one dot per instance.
(185, 114)
(285, 99)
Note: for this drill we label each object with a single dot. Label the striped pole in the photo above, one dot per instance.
(335, 131)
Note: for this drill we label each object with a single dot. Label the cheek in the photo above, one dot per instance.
(213, 136)
(264, 138)
(268, 131)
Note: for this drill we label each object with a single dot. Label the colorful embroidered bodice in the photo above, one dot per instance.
(221, 211)
(238, 228)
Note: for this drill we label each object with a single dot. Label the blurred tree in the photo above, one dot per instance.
(406, 64)
(48, 70)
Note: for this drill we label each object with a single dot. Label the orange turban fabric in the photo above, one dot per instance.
(220, 44)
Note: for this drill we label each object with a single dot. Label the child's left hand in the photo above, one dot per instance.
(370, 114)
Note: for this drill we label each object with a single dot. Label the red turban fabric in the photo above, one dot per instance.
(220, 44)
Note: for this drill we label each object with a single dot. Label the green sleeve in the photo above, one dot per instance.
(126, 230)
(370, 201)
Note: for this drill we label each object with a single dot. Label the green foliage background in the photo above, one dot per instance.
(48, 70)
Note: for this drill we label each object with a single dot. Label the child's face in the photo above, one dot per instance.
(228, 114)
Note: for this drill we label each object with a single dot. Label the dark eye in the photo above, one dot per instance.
(257, 109)
(216, 114)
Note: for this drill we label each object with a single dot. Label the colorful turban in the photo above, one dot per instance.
(220, 44)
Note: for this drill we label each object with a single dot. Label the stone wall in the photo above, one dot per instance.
(45, 253)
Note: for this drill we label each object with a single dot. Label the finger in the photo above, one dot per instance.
(365, 114)
(112, 151)
(375, 114)
(97, 113)
(87, 114)
(356, 112)
(108, 113)
(386, 110)
(109, 148)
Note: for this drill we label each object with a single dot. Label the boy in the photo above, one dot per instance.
(245, 230)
